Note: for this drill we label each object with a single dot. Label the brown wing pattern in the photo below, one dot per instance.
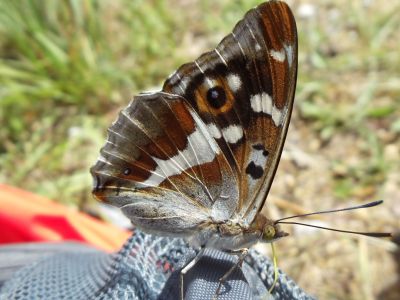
(205, 148)
(161, 162)
(243, 91)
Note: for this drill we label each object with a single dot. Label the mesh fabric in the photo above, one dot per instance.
(147, 267)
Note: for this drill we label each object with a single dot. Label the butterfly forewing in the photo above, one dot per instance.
(243, 91)
(204, 150)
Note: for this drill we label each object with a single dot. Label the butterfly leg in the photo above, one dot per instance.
(186, 269)
(242, 254)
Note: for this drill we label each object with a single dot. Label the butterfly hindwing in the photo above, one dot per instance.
(157, 150)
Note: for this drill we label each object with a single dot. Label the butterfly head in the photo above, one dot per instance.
(272, 232)
(269, 230)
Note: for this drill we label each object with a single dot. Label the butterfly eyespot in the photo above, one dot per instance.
(216, 97)
(127, 172)
(269, 232)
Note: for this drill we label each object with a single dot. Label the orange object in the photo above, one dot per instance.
(26, 217)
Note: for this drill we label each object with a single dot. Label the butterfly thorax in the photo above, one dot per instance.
(233, 235)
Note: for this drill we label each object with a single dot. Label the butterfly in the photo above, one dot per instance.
(197, 158)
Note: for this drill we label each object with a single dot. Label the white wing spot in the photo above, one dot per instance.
(278, 55)
(214, 130)
(263, 103)
(276, 115)
(267, 103)
(233, 133)
(206, 134)
(210, 83)
(255, 102)
(289, 54)
(234, 82)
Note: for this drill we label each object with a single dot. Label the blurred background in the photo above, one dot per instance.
(68, 67)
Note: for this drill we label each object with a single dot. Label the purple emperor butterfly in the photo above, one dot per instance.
(198, 158)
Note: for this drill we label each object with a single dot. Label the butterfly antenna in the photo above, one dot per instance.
(371, 204)
(372, 234)
(367, 205)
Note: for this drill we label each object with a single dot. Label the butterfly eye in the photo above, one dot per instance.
(127, 172)
(216, 97)
(269, 232)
